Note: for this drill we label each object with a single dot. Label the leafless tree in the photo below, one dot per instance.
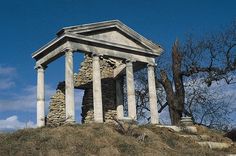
(208, 106)
(212, 58)
(142, 97)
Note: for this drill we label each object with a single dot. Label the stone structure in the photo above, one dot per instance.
(57, 113)
(111, 50)
(186, 121)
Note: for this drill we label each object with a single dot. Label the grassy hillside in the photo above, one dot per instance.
(100, 139)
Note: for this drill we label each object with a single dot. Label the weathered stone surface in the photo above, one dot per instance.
(69, 83)
(186, 121)
(87, 106)
(85, 75)
(113, 39)
(152, 95)
(110, 115)
(57, 113)
(130, 90)
(97, 90)
(40, 97)
(84, 79)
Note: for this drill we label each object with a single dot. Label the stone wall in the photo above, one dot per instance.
(57, 114)
(87, 105)
(108, 100)
(84, 81)
(85, 75)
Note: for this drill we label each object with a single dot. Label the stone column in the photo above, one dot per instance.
(40, 97)
(152, 95)
(130, 90)
(97, 90)
(119, 98)
(69, 86)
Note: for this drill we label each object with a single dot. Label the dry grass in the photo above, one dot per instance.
(98, 139)
(214, 134)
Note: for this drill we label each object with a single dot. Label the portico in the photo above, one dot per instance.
(111, 40)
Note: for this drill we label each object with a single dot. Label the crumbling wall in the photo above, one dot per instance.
(57, 113)
(84, 81)
(85, 75)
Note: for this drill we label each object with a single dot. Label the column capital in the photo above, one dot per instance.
(68, 51)
(129, 61)
(151, 65)
(40, 67)
(97, 54)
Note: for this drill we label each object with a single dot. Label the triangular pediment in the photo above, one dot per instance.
(110, 38)
(115, 36)
(113, 32)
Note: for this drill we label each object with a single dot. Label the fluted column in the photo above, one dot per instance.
(130, 90)
(152, 95)
(40, 97)
(97, 90)
(119, 98)
(69, 85)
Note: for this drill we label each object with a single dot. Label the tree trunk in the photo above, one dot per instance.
(175, 99)
(178, 81)
(175, 115)
(170, 98)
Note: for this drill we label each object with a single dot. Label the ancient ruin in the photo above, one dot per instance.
(111, 50)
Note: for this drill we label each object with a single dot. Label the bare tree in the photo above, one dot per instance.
(212, 58)
(142, 96)
(208, 106)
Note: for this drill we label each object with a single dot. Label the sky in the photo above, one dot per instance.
(26, 25)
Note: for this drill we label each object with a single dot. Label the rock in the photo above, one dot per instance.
(231, 134)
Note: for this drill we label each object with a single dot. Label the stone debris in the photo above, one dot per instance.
(110, 115)
(89, 117)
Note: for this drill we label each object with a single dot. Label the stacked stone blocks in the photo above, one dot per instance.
(57, 115)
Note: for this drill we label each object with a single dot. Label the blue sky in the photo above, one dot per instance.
(27, 25)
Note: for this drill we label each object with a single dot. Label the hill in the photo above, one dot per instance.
(103, 139)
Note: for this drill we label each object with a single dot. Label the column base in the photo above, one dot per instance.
(70, 122)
